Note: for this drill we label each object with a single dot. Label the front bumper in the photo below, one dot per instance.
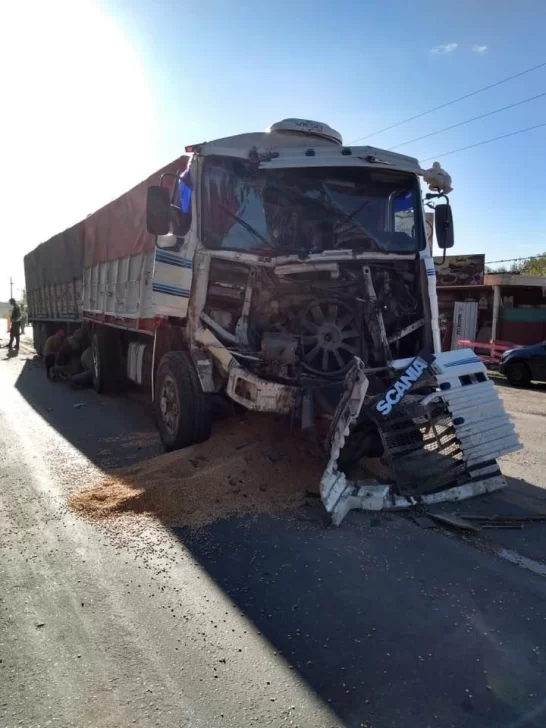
(258, 394)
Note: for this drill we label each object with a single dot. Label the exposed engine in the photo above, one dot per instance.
(299, 321)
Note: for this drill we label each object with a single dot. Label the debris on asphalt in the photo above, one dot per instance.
(452, 519)
(134, 439)
(514, 521)
(423, 521)
(497, 518)
(230, 474)
(79, 404)
(474, 522)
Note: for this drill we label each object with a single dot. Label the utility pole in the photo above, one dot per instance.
(10, 287)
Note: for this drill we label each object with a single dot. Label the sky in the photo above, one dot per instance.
(97, 94)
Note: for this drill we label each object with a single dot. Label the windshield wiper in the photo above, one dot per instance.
(247, 226)
(348, 217)
(326, 203)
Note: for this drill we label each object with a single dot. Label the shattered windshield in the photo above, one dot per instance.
(309, 209)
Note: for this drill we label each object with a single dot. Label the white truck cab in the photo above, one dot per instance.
(298, 276)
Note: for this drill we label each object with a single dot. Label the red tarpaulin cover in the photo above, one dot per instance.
(119, 228)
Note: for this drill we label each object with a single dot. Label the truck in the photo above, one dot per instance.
(290, 274)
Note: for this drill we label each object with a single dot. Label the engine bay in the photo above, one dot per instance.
(302, 322)
(349, 343)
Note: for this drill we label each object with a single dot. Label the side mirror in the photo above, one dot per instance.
(443, 225)
(158, 210)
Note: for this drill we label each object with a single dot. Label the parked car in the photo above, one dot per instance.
(524, 364)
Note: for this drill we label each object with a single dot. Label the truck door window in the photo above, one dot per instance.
(235, 217)
(404, 213)
(181, 210)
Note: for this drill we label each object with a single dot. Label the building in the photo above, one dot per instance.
(484, 306)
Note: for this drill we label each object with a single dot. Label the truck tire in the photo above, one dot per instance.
(183, 410)
(518, 374)
(107, 361)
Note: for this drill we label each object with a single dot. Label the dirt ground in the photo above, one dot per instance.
(251, 465)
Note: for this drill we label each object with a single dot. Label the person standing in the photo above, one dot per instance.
(15, 328)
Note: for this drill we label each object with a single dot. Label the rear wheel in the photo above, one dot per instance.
(107, 360)
(518, 374)
(183, 410)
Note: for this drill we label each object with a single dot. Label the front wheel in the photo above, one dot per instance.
(518, 374)
(183, 410)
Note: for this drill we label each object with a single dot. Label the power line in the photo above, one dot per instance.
(514, 260)
(449, 103)
(487, 141)
(462, 123)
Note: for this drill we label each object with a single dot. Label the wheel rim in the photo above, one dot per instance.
(96, 362)
(169, 405)
(331, 339)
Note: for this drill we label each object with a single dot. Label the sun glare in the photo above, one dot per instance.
(80, 123)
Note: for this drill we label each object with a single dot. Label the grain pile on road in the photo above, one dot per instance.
(250, 465)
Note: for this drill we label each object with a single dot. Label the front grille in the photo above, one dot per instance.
(422, 449)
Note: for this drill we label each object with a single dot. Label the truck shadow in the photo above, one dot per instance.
(387, 623)
(111, 431)
(375, 616)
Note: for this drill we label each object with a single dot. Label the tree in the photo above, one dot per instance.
(514, 267)
(534, 266)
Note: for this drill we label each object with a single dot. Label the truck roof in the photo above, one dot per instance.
(295, 149)
(118, 229)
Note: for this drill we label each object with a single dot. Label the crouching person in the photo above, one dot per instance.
(51, 348)
(85, 377)
(67, 359)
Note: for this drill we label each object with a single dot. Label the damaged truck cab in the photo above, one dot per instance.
(295, 275)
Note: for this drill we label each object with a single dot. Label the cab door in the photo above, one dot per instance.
(173, 267)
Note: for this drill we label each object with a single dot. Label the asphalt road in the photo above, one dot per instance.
(266, 622)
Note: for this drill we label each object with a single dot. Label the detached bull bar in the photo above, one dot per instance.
(441, 446)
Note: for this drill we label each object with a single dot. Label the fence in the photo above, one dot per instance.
(495, 348)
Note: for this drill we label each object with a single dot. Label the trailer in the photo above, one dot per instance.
(290, 274)
(99, 271)
(54, 284)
